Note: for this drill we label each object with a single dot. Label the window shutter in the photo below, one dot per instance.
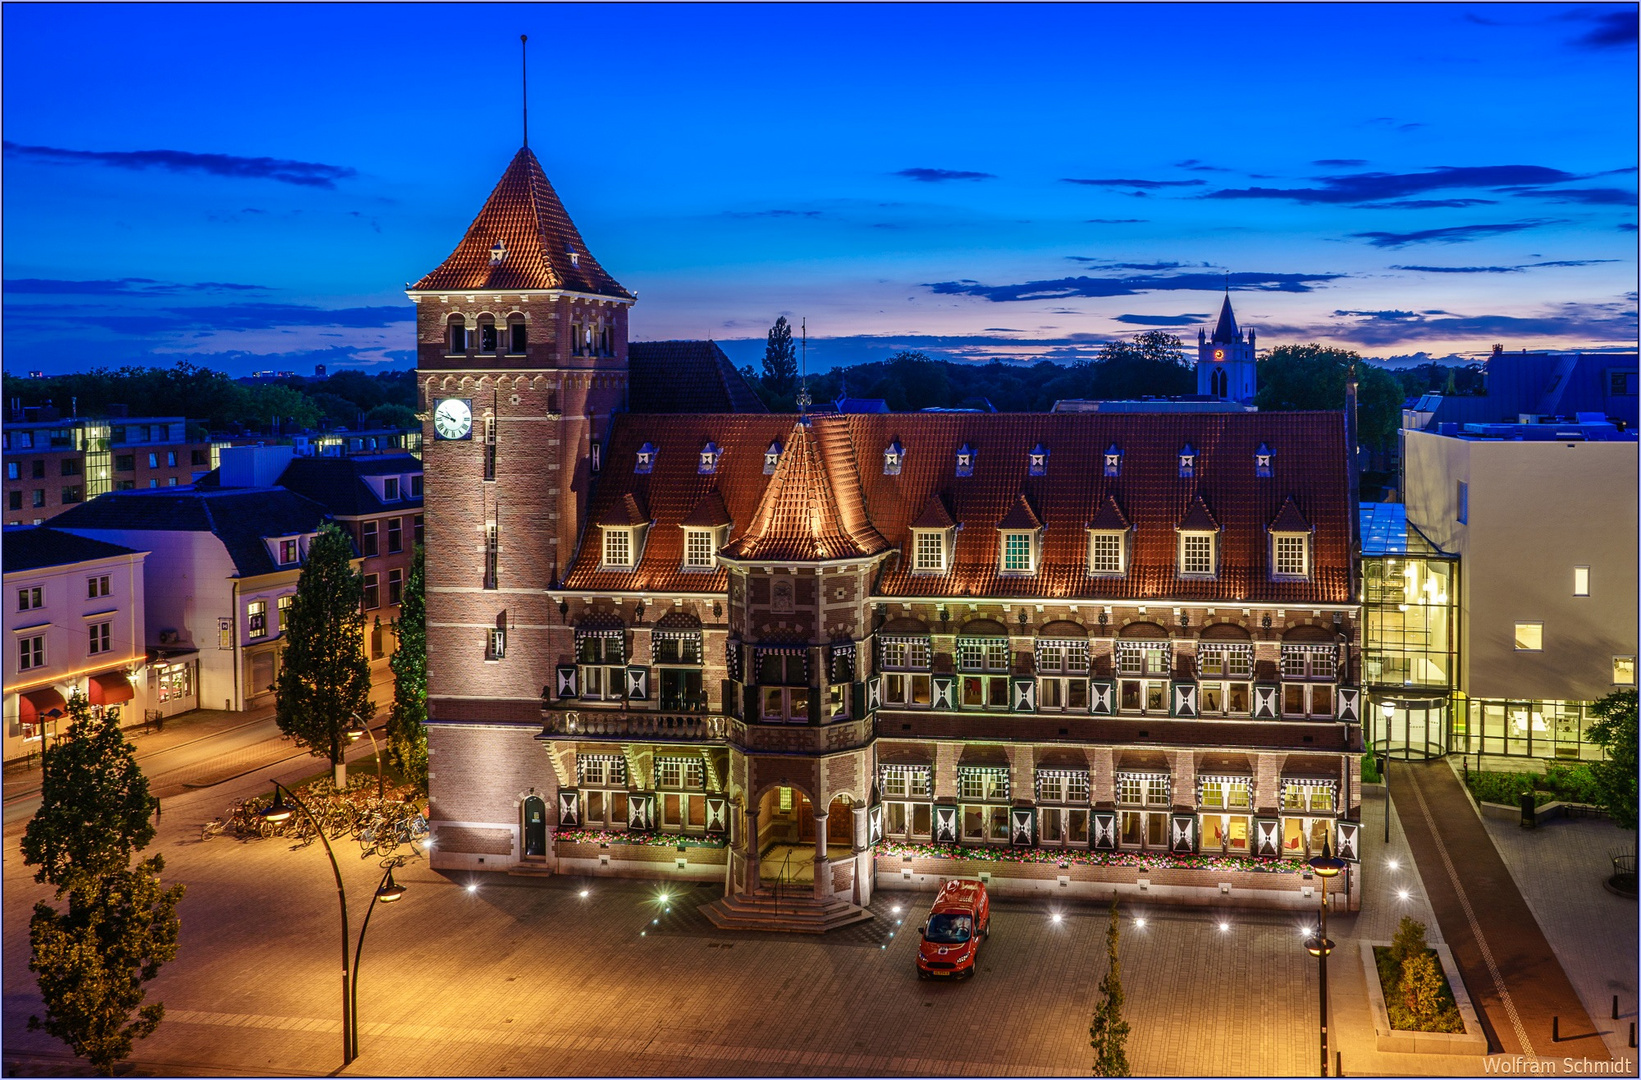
(566, 681)
(874, 693)
(732, 659)
(1346, 847)
(874, 819)
(1100, 696)
(857, 700)
(1185, 699)
(1267, 838)
(638, 684)
(1349, 704)
(749, 703)
(1104, 835)
(640, 812)
(1025, 695)
(945, 824)
(717, 814)
(1182, 836)
(945, 696)
(569, 807)
(1265, 701)
(1022, 827)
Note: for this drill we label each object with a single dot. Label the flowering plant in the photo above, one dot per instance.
(1138, 860)
(636, 839)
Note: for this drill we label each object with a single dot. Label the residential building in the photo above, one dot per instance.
(52, 464)
(1536, 620)
(222, 566)
(377, 499)
(1524, 387)
(74, 617)
(1123, 649)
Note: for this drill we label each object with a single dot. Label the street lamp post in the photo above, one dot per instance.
(1389, 709)
(361, 727)
(1326, 867)
(387, 892)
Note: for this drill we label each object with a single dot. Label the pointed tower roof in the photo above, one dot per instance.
(540, 247)
(1226, 332)
(799, 518)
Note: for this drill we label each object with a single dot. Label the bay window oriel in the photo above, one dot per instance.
(983, 795)
(602, 779)
(907, 792)
(904, 663)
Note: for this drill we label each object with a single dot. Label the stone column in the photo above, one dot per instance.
(863, 854)
(750, 834)
(823, 865)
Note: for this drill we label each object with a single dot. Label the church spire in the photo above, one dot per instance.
(1226, 332)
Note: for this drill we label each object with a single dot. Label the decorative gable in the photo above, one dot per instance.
(644, 464)
(894, 456)
(710, 453)
(965, 460)
(1037, 461)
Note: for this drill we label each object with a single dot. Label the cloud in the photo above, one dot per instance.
(1115, 221)
(1588, 196)
(1391, 121)
(1613, 29)
(1105, 264)
(302, 173)
(1064, 288)
(1149, 185)
(1162, 320)
(933, 176)
(1339, 162)
(119, 287)
(1501, 269)
(1453, 234)
(1595, 322)
(1380, 186)
(1198, 166)
(1627, 226)
(213, 317)
(772, 213)
(1428, 204)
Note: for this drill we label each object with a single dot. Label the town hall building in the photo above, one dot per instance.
(672, 635)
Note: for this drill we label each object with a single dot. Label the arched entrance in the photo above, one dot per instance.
(786, 836)
(535, 826)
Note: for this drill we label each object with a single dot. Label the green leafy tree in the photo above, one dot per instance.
(1313, 377)
(393, 415)
(407, 720)
(1108, 1032)
(95, 810)
(1422, 988)
(1614, 730)
(1408, 942)
(271, 405)
(324, 681)
(780, 359)
(92, 960)
(1152, 365)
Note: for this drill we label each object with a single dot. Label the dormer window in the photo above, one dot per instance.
(498, 252)
(575, 258)
(1037, 461)
(1196, 554)
(1187, 462)
(710, 453)
(931, 550)
(772, 458)
(390, 489)
(1113, 460)
(894, 456)
(1291, 555)
(700, 545)
(965, 460)
(618, 548)
(646, 459)
(1107, 552)
(1019, 550)
(1263, 459)
(288, 553)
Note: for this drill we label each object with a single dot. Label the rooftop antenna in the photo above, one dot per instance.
(1227, 284)
(524, 80)
(803, 376)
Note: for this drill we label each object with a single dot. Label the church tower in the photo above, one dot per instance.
(521, 345)
(1225, 361)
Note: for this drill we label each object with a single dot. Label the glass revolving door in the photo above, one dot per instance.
(1410, 729)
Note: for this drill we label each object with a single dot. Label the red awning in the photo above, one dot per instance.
(32, 704)
(110, 688)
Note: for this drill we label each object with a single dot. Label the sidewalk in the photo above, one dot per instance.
(23, 778)
(1515, 980)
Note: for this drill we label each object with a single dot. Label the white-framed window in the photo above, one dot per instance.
(1310, 662)
(287, 552)
(1019, 553)
(30, 598)
(788, 704)
(1067, 656)
(982, 654)
(699, 547)
(1196, 554)
(1290, 555)
(906, 781)
(495, 645)
(1224, 792)
(680, 772)
(257, 611)
(1581, 581)
(1623, 671)
(929, 547)
(983, 783)
(597, 770)
(906, 790)
(1143, 657)
(99, 638)
(1232, 660)
(905, 664)
(96, 586)
(1529, 637)
(1062, 785)
(1310, 796)
(601, 656)
(31, 652)
(1062, 675)
(1144, 789)
(1107, 553)
(618, 547)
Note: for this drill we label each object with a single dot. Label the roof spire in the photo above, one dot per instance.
(524, 82)
(804, 399)
(1226, 333)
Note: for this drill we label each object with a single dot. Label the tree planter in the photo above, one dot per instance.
(1388, 1040)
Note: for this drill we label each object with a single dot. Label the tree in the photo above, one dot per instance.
(393, 415)
(1313, 377)
(1408, 942)
(1422, 988)
(407, 719)
(92, 960)
(780, 359)
(324, 681)
(1614, 730)
(95, 810)
(1152, 365)
(1108, 1033)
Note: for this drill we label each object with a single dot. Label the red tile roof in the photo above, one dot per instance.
(625, 512)
(935, 515)
(1020, 516)
(1289, 519)
(830, 493)
(709, 513)
(1197, 517)
(685, 377)
(543, 248)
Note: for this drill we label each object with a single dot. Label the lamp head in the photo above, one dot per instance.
(1325, 865)
(278, 813)
(1318, 946)
(353, 732)
(389, 890)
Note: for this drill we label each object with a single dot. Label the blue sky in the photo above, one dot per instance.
(249, 186)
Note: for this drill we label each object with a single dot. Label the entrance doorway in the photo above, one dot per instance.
(1410, 730)
(535, 826)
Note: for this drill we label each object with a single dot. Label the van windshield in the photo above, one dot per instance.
(948, 929)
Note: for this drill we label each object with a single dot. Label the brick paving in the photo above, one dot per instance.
(1559, 868)
(1514, 978)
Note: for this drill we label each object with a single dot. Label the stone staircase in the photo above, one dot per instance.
(787, 909)
(530, 867)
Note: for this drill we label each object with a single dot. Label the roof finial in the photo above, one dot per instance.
(803, 377)
(524, 81)
(1227, 284)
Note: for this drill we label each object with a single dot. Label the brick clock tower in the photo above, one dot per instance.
(521, 346)
(1225, 361)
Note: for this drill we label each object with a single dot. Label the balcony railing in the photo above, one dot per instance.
(658, 727)
(799, 738)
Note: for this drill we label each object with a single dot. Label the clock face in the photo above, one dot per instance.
(1219, 354)
(453, 419)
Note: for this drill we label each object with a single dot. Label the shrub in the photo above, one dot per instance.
(1417, 995)
(1370, 769)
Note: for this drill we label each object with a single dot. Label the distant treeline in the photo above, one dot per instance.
(347, 398)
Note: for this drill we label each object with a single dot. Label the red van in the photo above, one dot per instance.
(960, 917)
